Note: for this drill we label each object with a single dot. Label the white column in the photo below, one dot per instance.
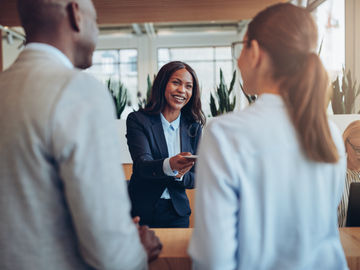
(352, 39)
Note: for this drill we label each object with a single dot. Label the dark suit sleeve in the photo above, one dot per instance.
(144, 165)
(188, 180)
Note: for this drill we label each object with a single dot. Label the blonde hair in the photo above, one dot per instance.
(352, 128)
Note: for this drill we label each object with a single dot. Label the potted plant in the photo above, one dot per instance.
(120, 96)
(343, 100)
(344, 97)
(223, 97)
(143, 101)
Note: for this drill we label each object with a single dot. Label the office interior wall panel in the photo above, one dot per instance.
(352, 40)
(111, 12)
(1, 54)
(8, 13)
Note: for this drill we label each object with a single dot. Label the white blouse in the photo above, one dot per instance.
(260, 202)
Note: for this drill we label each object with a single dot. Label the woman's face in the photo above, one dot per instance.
(352, 145)
(178, 90)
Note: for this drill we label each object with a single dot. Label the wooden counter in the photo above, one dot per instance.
(174, 254)
(350, 239)
(175, 241)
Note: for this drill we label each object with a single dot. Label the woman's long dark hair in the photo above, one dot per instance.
(289, 35)
(192, 110)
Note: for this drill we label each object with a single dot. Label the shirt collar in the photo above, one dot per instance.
(51, 50)
(270, 99)
(175, 124)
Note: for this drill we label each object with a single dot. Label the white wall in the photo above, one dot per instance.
(352, 40)
(10, 52)
(343, 120)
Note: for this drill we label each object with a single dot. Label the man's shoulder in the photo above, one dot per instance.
(85, 79)
(48, 70)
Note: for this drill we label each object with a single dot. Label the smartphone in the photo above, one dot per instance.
(191, 157)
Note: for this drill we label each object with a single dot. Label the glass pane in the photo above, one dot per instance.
(118, 65)
(129, 78)
(163, 55)
(330, 18)
(127, 56)
(108, 56)
(191, 54)
(104, 72)
(127, 70)
(223, 53)
(160, 64)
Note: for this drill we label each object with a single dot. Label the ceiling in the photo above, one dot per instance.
(162, 28)
(185, 18)
(115, 12)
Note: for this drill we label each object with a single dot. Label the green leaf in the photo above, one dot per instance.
(337, 101)
(349, 90)
(321, 44)
(232, 105)
(120, 97)
(213, 109)
(142, 102)
(250, 98)
(232, 82)
(223, 96)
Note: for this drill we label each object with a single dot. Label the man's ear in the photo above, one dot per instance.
(255, 54)
(74, 15)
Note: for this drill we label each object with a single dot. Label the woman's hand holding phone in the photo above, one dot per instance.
(181, 162)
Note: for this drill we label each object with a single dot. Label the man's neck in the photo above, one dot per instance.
(59, 43)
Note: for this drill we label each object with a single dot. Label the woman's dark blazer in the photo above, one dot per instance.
(148, 149)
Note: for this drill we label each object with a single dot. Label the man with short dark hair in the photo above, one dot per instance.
(63, 198)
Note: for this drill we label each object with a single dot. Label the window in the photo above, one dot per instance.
(118, 65)
(330, 18)
(206, 61)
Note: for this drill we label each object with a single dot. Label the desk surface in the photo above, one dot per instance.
(175, 242)
(350, 239)
(174, 254)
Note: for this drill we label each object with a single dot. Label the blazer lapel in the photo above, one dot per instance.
(159, 136)
(184, 136)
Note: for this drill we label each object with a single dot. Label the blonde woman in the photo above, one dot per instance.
(351, 138)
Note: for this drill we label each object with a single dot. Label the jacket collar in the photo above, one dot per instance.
(160, 137)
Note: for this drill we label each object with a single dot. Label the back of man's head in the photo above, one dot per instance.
(69, 25)
(41, 15)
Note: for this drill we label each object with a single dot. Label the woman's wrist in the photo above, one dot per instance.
(167, 168)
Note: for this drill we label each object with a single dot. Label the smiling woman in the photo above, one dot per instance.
(159, 137)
